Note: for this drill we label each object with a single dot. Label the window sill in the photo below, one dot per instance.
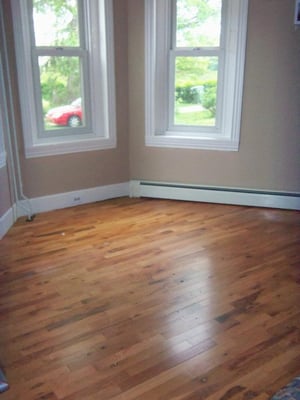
(221, 144)
(51, 149)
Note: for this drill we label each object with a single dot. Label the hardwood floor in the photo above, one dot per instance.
(151, 299)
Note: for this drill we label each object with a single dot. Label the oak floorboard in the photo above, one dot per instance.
(131, 299)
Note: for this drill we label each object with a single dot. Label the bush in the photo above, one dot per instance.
(209, 98)
(204, 93)
(185, 95)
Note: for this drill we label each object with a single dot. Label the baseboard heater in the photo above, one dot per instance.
(215, 194)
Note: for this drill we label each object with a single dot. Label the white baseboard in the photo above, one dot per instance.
(6, 222)
(71, 199)
(210, 194)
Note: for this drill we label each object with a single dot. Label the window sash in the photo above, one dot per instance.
(172, 126)
(204, 51)
(82, 56)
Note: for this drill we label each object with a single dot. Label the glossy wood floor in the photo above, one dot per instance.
(151, 299)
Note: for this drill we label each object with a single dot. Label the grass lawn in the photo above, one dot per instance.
(193, 114)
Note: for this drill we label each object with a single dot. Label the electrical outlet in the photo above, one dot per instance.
(76, 199)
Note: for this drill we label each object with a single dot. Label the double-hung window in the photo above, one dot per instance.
(195, 52)
(65, 66)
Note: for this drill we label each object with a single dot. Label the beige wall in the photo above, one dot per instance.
(58, 174)
(269, 155)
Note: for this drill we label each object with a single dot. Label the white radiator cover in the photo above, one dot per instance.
(213, 194)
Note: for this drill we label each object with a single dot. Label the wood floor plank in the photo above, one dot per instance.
(150, 299)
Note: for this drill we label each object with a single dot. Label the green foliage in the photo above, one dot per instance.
(64, 15)
(204, 93)
(189, 93)
(184, 116)
(210, 96)
(191, 14)
(60, 77)
(189, 69)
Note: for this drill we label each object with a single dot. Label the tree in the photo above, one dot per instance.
(59, 78)
(198, 22)
(62, 22)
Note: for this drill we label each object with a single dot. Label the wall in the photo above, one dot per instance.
(59, 174)
(268, 158)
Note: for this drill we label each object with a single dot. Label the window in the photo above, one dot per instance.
(66, 74)
(195, 52)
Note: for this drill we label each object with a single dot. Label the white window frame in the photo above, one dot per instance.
(101, 132)
(158, 95)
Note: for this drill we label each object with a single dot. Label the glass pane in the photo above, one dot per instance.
(62, 91)
(198, 23)
(196, 91)
(56, 23)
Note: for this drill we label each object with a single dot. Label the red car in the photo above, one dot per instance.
(70, 115)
